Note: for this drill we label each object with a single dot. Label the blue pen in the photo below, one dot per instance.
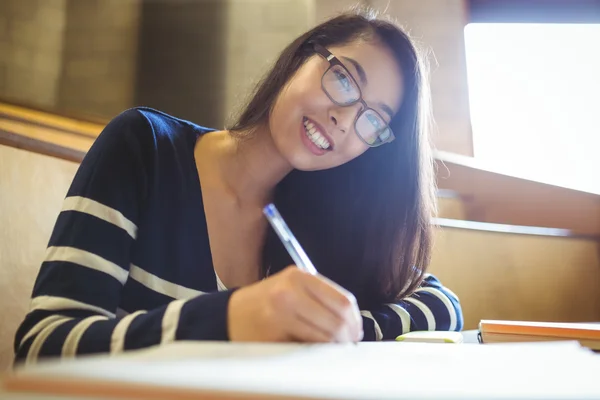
(291, 244)
(289, 240)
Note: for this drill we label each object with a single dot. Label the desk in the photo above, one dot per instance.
(286, 371)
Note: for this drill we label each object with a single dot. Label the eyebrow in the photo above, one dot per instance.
(387, 109)
(363, 79)
(361, 72)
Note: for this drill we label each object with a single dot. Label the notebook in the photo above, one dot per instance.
(497, 331)
(388, 370)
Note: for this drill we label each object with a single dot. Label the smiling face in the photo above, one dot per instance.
(313, 132)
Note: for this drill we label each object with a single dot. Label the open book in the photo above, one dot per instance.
(492, 331)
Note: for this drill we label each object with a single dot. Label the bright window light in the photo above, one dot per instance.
(534, 93)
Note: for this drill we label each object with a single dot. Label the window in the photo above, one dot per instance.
(534, 93)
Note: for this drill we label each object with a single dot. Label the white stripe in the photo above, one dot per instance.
(99, 210)
(86, 259)
(220, 286)
(40, 339)
(117, 339)
(53, 303)
(427, 276)
(378, 333)
(41, 325)
(72, 341)
(451, 293)
(440, 295)
(404, 316)
(426, 311)
(160, 285)
(170, 321)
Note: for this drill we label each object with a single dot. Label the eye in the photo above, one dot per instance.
(374, 121)
(343, 80)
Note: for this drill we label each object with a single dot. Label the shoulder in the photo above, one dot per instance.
(163, 122)
(144, 130)
(144, 121)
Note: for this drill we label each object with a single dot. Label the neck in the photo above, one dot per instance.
(251, 166)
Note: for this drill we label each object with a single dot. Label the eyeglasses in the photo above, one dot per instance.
(341, 87)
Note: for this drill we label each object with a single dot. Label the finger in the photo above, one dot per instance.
(320, 317)
(328, 293)
(340, 302)
(355, 315)
(302, 330)
(360, 333)
(355, 331)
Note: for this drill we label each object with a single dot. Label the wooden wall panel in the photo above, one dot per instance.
(451, 207)
(515, 276)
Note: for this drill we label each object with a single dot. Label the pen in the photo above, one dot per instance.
(289, 240)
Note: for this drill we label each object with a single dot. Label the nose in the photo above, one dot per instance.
(343, 117)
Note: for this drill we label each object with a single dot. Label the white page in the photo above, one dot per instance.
(365, 371)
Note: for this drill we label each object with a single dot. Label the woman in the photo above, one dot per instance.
(162, 235)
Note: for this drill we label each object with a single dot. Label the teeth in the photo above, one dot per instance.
(315, 136)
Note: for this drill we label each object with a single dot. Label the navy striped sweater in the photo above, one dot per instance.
(128, 264)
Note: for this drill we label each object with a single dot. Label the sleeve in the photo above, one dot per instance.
(77, 291)
(432, 307)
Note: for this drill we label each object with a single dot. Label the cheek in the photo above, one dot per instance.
(357, 148)
(353, 148)
(295, 102)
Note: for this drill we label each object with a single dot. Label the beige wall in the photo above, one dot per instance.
(257, 31)
(32, 188)
(328, 8)
(74, 56)
(31, 48)
(100, 55)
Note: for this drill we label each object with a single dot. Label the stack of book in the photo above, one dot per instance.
(492, 331)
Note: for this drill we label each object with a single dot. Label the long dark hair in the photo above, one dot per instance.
(365, 224)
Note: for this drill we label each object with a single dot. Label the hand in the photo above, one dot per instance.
(293, 305)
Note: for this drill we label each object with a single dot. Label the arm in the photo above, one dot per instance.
(78, 288)
(432, 307)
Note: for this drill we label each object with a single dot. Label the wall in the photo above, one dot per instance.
(327, 8)
(222, 49)
(71, 56)
(31, 49)
(99, 56)
(257, 32)
(29, 209)
(181, 60)
(519, 276)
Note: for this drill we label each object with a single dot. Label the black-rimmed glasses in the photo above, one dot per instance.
(341, 88)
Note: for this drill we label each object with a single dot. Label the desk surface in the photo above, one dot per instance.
(390, 370)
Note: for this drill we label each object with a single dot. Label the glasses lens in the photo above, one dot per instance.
(340, 86)
(372, 128)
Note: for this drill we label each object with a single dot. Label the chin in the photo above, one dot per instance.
(304, 163)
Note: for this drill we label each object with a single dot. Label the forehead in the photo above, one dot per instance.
(384, 76)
